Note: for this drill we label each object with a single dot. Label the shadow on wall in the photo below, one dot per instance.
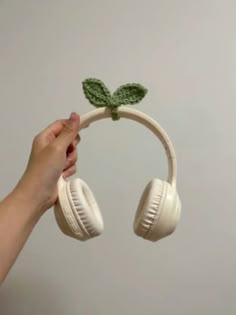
(30, 296)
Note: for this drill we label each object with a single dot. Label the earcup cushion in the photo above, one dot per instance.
(64, 222)
(64, 214)
(85, 208)
(149, 208)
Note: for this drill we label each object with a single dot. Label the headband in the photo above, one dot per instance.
(112, 106)
(145, 120)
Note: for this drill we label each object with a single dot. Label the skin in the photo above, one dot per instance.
(53, 153)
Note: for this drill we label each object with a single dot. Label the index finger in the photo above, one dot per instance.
(54, 128)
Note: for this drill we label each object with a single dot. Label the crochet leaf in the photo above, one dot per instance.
(131, 93)
(96, 92)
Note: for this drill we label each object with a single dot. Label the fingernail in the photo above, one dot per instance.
(73, 116)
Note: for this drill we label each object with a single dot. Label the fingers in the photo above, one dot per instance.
(69, 132)
(62, 136)
(54, 129)
(60, 126)
(69, 171)
(72, 146)
(71, 159)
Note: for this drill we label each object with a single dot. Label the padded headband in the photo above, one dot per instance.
(145, 120)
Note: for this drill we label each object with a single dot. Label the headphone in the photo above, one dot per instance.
(77, 212)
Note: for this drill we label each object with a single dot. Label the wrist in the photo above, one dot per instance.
(32, 189)
(26, 196)
(19, 206)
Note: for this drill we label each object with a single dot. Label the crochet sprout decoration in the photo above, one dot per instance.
(99, 95)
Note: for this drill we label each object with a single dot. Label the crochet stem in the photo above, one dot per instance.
(114, 114)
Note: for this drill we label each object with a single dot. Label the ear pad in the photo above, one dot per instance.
(158, 211)
(63, 221)
(77, 212)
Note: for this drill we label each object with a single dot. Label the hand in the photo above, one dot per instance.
(53, 154)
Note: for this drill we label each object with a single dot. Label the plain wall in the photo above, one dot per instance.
(184, 52)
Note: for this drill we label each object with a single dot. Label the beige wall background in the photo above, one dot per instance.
(184, 52)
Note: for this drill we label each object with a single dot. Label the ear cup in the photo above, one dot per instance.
(158, 211)
(148, 208)
(85, 208)
(64, 214)
(77, 212)
(62, 221)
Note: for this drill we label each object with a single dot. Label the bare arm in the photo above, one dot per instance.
(53, 153)
(18, 215)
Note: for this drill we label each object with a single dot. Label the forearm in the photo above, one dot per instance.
(53, 153)
(18, 215)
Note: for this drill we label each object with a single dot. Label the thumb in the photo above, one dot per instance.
(69, 131)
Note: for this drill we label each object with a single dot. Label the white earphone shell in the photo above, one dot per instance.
(77, 212)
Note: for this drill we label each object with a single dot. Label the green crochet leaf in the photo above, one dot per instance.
(131, 93)
(99, 95)
(96, 92)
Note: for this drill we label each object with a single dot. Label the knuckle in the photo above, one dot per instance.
(72, 160)
(59, 122)
(57, 147)
(37, 140)
(76, 158)
(68, 128)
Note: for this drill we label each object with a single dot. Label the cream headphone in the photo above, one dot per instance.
(77, 212)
